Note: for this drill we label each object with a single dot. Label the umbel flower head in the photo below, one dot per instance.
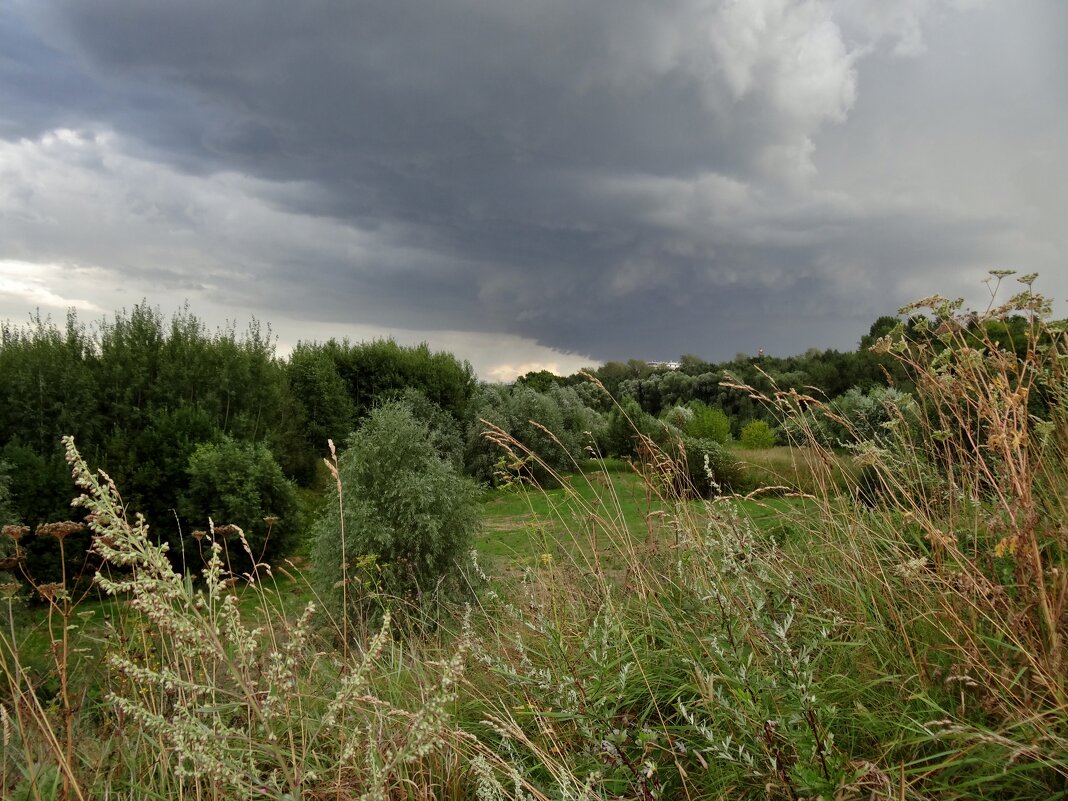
(16, 533)
(59, 530)
(227, 530)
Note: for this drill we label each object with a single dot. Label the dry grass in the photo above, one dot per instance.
(906, 641)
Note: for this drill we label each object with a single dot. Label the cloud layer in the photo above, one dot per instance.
(609, 179)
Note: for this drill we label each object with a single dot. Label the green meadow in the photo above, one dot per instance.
(873, 608)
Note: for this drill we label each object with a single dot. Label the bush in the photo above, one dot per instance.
(480, 455)
(538, 424)
(709, 423)
(623, 430)
(445, 432)
(408, 518)
(678, 416)
(7, 512)
(757, 435)
(241, 484)
(727, 473)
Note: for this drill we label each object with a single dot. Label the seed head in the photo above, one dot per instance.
(53, 591)
(227, 530)
(16, 532)
(59, 530)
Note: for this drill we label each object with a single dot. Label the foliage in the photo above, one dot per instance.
(708, 423)
(327, 410)
(711, 468)
(583, 424)
(37, 485)
(140, 394)
(7, 512)
(446, 433)
(537, 421)
(375, 370)
(481, 456)
(651, 646)
(206, 696)
(757, 435)
(240, 484)
(677, 416)
(405, 516)
(538, 380)
(624, 428)
(556, 425)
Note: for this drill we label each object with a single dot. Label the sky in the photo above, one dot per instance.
(531, 184)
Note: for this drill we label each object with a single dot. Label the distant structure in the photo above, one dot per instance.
(667, 365)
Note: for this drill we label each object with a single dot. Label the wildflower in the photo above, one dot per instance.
(1005, 547)
(911, 568)
(199, 534)
(9, 589)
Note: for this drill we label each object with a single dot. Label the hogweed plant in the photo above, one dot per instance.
(62, 599)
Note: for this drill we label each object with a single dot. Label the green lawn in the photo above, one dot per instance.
(595, 511)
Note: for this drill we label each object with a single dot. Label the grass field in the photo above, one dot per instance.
(525, 525)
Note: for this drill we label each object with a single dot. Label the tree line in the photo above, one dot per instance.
(192, 422)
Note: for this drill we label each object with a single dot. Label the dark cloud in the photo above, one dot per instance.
(611, 177)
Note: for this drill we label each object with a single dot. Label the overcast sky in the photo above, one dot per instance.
(531, 183)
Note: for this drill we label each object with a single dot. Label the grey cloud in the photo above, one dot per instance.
(612, 177)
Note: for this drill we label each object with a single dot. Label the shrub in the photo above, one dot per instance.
(678, 416)
(405, 515)
(711, 467)
(445, 432)
(581, 421)
(241, 484)
(709, 423)
(480, 455)
(757, 435)
(625, 425)
(538, 424)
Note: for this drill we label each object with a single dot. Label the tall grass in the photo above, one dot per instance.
(905, 641)
(210, 690)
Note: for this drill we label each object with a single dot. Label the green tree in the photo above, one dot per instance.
(376, 370)
(446, 434)
(481, 456)
(625, 426)
(327, 411)
(538, 380)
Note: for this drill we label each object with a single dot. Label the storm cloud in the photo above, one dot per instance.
(606, 179)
